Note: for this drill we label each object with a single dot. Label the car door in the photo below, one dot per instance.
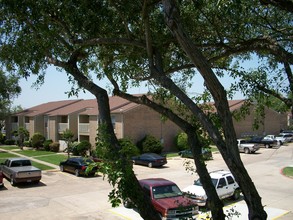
(222, 188)
(144, 159)
(71, 166)
(231, 186)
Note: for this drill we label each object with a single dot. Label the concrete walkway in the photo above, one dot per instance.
(31, 158)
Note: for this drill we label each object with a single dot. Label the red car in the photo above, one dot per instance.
(1, 179)
(167, 199)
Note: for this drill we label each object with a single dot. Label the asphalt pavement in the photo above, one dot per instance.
(276, 207)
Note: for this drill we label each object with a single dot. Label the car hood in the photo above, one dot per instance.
(174, 202)
(194, 189)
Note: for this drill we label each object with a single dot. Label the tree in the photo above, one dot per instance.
(153, 42)
(67, 136)
(9, 90)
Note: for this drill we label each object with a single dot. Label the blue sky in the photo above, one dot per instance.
(56, 85)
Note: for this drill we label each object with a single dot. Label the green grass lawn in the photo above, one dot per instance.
(288, 171)
(53, 159)
(5, 155)
(35, 153)
(13, 147)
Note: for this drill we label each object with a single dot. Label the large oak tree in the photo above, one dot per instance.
(160, 43)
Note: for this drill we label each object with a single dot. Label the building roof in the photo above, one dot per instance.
(43, 109)
(83, 107)
(90, 107)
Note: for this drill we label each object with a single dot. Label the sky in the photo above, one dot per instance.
(56, 85)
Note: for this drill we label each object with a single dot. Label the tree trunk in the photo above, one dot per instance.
(214, 203)
(229, 149)
(136, 194)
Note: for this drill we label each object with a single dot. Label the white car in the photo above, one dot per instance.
(281, 138)
(225, 185)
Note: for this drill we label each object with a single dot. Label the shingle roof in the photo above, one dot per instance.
(46, 107)
(75, 107)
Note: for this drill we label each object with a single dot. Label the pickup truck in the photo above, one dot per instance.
(247, 148)
(224, 183)
(167, 199)
(19, 170)
(268, 143)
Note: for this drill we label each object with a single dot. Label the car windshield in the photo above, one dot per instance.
(168, 191)
(198, 183)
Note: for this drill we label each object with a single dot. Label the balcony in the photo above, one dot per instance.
(84, 128)
(62, 127)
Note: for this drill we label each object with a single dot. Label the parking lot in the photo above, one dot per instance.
(64, 196)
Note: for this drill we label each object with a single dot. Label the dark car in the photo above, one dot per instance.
(206, 153)
(150, 160)
(1, 179)
(79, 166)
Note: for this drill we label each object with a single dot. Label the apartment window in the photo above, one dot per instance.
(113, 121)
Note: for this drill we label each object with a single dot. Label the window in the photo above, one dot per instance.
(230, 180)
(113, 121)
(222, 183)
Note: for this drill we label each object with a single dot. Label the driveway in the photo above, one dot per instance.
(64, 196)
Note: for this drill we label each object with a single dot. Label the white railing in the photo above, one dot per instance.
(62, 127)
(27, 126)
(14, 126)
(84, 128)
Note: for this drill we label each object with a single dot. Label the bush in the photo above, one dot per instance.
(2, 138)
(81, 148)
(181, 141)
(54, 146)
(9, 142)
(47, 144)
(38, 140)
(129, 149)
(149, 144)
(27, 143)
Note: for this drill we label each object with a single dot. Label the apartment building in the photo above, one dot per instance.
(129, 120)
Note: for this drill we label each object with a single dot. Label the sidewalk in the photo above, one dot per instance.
(31, 158)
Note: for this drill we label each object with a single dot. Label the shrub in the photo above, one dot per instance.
(47, 144)
(181, 141)
(38, 140)
(2, 138)
(9, 142)
(54, 146)
(149, 144)
(129, 149)
(27, 143)
(81, 148)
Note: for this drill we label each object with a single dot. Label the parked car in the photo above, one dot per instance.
(79, 166)
(167, 199)
(247, 148)
(281, 139)
(1, 179)
(150, 160)
(20, 170)
(267, 143)
(206, 153)
(287, 136)
(223, 181)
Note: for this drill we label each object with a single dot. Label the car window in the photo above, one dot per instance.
(160, 192)
(198, 182)
(222, 182)
(230, 180)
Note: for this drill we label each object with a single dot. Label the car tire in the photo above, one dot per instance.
(150, 165)
(246, 150)
(236, 194)
(12, 181)
(61, 168)
(267, 146)
(127, 204)
(76, 172)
